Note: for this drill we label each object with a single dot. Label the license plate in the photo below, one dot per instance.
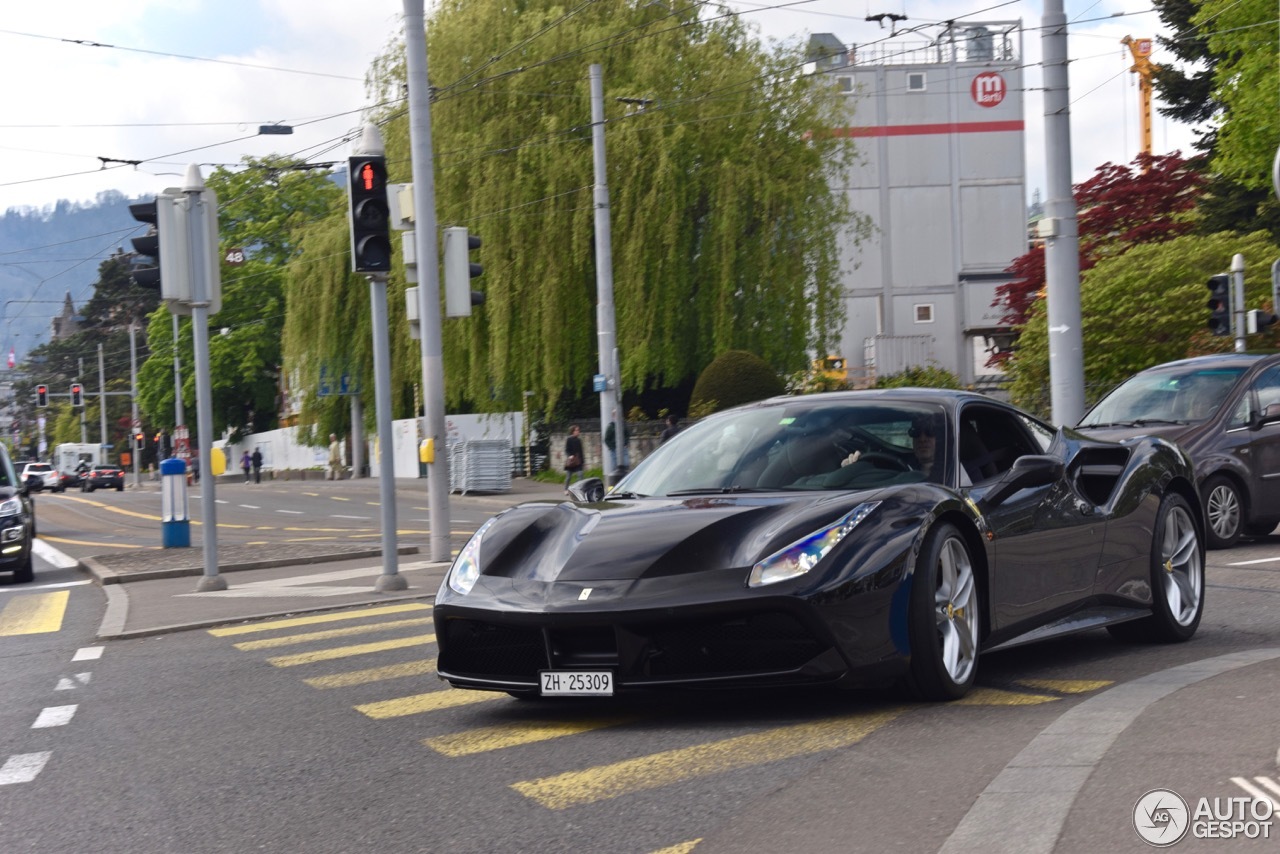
(576, 683)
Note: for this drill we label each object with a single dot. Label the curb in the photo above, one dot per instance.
(104, 575)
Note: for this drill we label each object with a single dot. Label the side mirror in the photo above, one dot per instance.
(1270, 414)
(1031, 470)
(588, 490)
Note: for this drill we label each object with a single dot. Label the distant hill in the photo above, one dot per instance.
(47, 253)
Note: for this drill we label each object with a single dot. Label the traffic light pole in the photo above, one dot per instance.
(196, 237)
(428, 256)
(1237, 279)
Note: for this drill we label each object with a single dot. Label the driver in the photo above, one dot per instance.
(924, 445)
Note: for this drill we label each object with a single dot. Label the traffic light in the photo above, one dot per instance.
(139, 440)
(459, 271)
(1219, 304)
(370, 216)
(42, 395)
(1256, 320)
(146, 273)
(77, 394)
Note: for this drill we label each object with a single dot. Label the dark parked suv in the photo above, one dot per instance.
(17, 522)
(1225, 411)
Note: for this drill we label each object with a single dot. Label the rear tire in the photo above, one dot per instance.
(1177, 579)
(945, 618)
(1223, 511)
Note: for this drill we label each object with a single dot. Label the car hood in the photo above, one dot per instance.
(1172, 432)
(622, 540)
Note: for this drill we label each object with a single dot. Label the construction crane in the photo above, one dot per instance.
(1144, 68)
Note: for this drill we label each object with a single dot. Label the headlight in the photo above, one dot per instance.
(803, 555)
(10, 507)
(466, 567)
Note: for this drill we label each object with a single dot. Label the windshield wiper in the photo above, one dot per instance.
(719, 490)
(1137, 422)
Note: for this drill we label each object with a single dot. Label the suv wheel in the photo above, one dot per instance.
(1224, 511)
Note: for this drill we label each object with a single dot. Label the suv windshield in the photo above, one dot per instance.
(1183, 396)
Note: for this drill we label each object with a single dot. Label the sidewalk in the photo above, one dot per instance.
(153, 592)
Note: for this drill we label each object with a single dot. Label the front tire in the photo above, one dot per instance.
(1177, 579)
(945, 618)
(1224, 511)
(26, 570)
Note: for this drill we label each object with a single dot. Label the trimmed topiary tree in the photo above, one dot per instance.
(734, 377)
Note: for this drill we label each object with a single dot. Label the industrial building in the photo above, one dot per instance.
(938, 122)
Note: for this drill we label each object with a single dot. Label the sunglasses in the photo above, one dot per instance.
(916, 432)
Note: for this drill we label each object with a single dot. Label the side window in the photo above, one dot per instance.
(1240, 415)
(990, 440)
(1267, 387)
(1043, 435)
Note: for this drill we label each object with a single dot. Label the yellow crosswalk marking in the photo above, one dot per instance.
(682, 848)
(293, 622)
(673, 766)
(430, 702)
(34, 613)
(374, 674)
(997, 697)
(1067, 686)
(330, 634)
(513, 735)
(348, 651)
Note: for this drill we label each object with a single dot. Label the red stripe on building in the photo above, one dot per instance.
(922, 130)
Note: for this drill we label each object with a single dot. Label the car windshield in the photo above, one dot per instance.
(804, 444)
(1175, 396)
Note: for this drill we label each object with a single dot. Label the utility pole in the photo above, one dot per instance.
(428, 257)
(606, 332)
(133, 400)
(102, 399)
(1062, 242)
(84, 430)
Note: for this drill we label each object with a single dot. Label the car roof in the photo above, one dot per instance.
(1217, 360)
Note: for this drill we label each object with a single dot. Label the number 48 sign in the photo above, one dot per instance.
(234, 257)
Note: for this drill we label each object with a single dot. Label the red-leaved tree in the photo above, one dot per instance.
(1118, 208)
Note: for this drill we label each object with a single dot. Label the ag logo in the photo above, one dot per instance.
(1161, 817)
(988, 89)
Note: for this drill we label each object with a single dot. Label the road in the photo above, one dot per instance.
(328, 732)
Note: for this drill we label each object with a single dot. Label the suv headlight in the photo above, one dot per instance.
(466, 567)
(804, 554)
(10, 507)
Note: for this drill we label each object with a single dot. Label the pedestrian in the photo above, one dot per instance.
(673, 427)
(256, 459)
(573, 461)
(246, 462)
(335, 458)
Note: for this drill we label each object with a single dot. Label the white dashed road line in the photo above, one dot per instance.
(70, 683)
(336, 516)
(23, 767)
(54, 716)
(291, 512)
(88, 653)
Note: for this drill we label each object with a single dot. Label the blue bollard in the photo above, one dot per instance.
(175, 522)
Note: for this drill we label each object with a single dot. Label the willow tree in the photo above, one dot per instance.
(724, 226)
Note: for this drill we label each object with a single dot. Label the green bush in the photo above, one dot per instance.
(920, 376)
(733, 378)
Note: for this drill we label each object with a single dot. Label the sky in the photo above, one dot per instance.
(174, 82)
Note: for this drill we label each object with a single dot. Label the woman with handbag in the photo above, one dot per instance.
(573, 462)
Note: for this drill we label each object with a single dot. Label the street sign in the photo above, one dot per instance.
(599, 383)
